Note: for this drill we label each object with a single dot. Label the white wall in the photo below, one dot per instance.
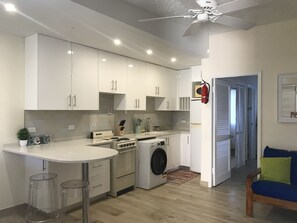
(271, 49)
(11, 118)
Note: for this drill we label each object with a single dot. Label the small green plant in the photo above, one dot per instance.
(23, 134)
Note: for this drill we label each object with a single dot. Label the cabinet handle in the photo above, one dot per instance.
(112, 85)
(167, 104)
(100, 185)
(43, 165)
(69, 100)
(116, 85)
(136, 103)
(156, 90)
(74, 100)
(97, 166)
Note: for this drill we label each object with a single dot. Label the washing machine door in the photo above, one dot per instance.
(158, 161)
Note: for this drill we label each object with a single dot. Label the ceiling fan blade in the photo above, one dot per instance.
(238, 5)
(192, 28)
(166, 17)
(234, 22)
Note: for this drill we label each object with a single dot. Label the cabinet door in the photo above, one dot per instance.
(54, 74)
(185, 150)
(152, 80)
(136, 99)
(184, 83)
(173, 150)
(85, 94)
(112, 73)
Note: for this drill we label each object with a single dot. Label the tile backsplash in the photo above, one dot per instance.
(56, 123)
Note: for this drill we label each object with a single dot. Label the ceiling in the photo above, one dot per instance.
(96, 23)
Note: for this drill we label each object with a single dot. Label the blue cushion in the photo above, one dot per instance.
(270, 152)
(276, 190)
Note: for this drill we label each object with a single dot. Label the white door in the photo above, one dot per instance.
(221, 136)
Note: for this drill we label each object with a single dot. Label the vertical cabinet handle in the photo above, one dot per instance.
(136, 103)
(116, 85)
(74, 100)
(167, 104)
(69, 100)
(43, 165)
(112, 85)
(156, 90)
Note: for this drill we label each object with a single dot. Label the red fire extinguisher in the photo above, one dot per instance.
(205, 92)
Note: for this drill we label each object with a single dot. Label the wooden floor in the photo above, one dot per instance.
(186, 203)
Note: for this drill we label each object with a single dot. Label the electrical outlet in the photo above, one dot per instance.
(71, 127)
(32, 129)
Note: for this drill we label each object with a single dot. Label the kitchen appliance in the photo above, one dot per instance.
(195, 135)
(119, 131)
(123, 166)
(151, 163)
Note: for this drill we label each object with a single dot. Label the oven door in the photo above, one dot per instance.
(125, 162)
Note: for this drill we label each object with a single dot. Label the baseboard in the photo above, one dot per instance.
(203, 183)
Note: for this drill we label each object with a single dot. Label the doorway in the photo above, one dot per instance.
(236, 97)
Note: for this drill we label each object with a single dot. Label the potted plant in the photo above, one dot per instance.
(23, 135)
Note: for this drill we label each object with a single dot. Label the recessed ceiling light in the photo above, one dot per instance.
(173, 59)
(117, 42)
(103, 59)
(149, 52)
(130, 65)
(70, 52)
(10, 7)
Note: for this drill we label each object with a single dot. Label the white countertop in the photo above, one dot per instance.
(72, 151)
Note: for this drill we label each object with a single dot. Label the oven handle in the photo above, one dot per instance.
(126, 151)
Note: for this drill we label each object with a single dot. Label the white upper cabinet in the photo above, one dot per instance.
(52, 73)
(85, 94)
(112, 73)
(155, 81)
(185, 83)
(135, 98)
(170, 87)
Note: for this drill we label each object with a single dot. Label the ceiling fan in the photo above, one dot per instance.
(210, 11)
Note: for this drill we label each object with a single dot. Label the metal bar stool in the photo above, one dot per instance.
(42, 199)
(72, 192)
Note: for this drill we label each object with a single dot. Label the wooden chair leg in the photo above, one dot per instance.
(249, 200)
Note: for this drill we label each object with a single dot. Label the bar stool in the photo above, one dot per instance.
(72, 192)
(42, 199)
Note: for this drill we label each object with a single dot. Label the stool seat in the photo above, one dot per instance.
(72, 192)
(42, 198)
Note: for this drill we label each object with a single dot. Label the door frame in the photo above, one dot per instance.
(259, 119)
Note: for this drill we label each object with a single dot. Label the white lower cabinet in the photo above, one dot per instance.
(173, 150)
(99, 175)
(185, 149)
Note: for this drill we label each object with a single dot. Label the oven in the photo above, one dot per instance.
(123, 167)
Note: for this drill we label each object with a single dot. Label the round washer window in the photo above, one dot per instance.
(158, 161)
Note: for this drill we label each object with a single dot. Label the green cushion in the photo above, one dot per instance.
(276, 169)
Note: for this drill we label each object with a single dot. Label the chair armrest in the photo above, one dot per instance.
(249, 192)
(252, 175)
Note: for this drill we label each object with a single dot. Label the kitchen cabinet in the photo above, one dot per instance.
(173, 150)
(185, 149)
(99, 174)
(135, 98)
(112, 73)
(155, 80)
(169, 103)
(60, 75)
(185, 83)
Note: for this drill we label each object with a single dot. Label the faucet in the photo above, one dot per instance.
(147, 125)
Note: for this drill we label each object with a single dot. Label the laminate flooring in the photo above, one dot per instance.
(185, 203)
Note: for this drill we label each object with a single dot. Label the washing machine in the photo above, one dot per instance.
(151, 163)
